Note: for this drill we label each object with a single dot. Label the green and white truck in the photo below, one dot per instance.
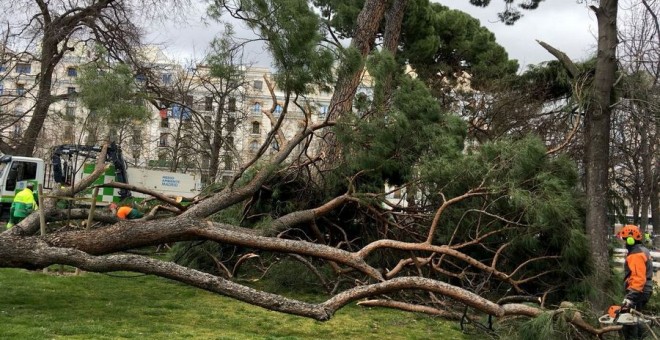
(71, 163)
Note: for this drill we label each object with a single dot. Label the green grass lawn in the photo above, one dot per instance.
(34, 305)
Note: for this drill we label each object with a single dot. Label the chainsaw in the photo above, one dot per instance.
(615, 316)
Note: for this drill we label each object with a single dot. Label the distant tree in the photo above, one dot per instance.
(635, 135)
(443, 44)
(45, 31)
(113, 98)
(225, 85)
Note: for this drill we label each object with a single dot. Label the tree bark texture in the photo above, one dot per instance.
(56, 32)
(597, 141)
(363, 40)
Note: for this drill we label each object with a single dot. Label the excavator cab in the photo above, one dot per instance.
(63, 170)
(15, 173)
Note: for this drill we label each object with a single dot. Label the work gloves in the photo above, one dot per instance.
(627, 303)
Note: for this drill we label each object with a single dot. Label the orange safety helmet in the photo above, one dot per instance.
(630, 233)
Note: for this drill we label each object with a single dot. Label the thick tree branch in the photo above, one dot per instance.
(563, 58)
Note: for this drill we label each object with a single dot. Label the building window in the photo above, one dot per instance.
(164, 123)
(137, 137)
(230, 142)
(71, 94)
(256, 108)
(18, 130)
(71, 72)
(275, 145)
(254, 146)
(231, 106)
(2, 88)
(162, 140)
(140, 78)
(231, 124)
(227, 160)
(167, 78)
(278, 110)
(258, 84)
(255, 127)
(208, 103)
(3, 68)
(188, 100)
(70, 111)
(20, 90)
(180, 112)
(323, 111)
(23, 68)
(68, 133)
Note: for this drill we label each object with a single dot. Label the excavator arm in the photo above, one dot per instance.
(62, 175)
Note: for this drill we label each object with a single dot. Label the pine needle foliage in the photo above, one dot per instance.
(537, 197)
(302, 63)
(111, 93)
(549, 326)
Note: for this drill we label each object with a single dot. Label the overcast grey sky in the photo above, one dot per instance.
(564, 24)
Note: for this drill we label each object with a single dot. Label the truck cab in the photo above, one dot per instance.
(15, 173)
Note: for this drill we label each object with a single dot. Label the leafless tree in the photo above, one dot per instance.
(44, 32)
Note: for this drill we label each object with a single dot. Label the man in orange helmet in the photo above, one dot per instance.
(125, 212)
(638, 279)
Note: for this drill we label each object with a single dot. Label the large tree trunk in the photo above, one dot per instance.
(57, 31)
(655, 196)
(391, 37)
(365, 33)
(647, 175)
(49, 58)
(597, 143)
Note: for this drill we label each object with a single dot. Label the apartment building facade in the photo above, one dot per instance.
(178, 133)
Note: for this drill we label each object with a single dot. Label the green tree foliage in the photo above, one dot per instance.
(341, 15)
(295, 45)
(383, 143)
(511, 13)
(438, 40)
(434, 40)
(540, 211)
(222, 58)
(111, 94)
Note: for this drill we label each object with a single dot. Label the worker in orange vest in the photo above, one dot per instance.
(638, 279)
(125, 212)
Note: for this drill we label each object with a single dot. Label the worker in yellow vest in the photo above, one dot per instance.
(23, 205)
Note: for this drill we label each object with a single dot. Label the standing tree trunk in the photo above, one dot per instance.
(391, 37)
(597, 143)
(647, 174)
(655, 185)
(56, 30)
(363, 40)
(50, 56)
(216, 142)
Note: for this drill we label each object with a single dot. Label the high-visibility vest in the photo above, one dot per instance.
(24, 203)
